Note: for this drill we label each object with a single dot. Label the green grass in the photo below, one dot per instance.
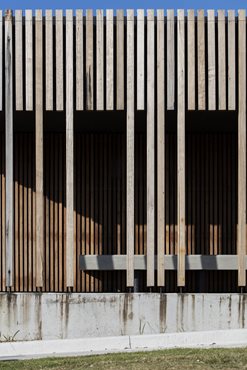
(167, 359)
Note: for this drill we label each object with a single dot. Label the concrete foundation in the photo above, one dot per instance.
(33, 316)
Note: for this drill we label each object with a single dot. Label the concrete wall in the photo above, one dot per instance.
(52, 316)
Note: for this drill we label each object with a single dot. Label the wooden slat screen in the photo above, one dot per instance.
(75, 183)
(100, 174)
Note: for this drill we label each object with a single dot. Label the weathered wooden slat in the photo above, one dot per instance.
(109, 60)
(1, 60)
(21, 249)
(120, 59)
(231, 62)
(89, 61)
(130, 137)
(49, 59)
(18, 61)
(29, 215)
(170, 60)
(211, 61)
(29, 59)
(191, 60)
(221, 60)
(160, 147)
(51, 209)
(60, 215)
(140, 60)
(9, 147)
(100, 59)
(59, 61)
(3, 215)
(17, 278)
(25, 247)
(181, 148)
(79, 60)
(150, 149)
(39, 148)
(201, 60)
(241, 230)
(69, 152)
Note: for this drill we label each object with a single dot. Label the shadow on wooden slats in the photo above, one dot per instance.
(100, 155)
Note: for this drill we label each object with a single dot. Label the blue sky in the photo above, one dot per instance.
(118, 4)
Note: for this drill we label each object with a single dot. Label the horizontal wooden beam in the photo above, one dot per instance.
(192, 262)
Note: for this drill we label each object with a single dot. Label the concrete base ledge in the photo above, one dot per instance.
(53, 316)
(89, 346)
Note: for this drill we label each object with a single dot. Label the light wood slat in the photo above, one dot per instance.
(100, 59)
(59, 60)
(25, 249)
(191, 60)
(69, 152)
(109, 60)
(241, 230)
(120, 59)
(39, 148)
(211, 61)
(160, 147)
(49, 59)
(221, 60)
(17, 256)
(89, 60)
(29, 59)
(18, 61)
(30, 239)
(170, 60)
(140, 59)
(181, 148)
(150, 149)
(21, 249)
(3, 214)
(1, 60)
(201, 60)
(79, 60)
(130, 148)
(231, 61)
(9, 147)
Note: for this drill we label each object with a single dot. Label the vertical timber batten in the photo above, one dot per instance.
(1, 60)
(221, 60)
(29, 59)
(170, 59)
(181, 148)
(18, 61)
(191, 59)
(59, 61)
(231, 34)
(89, 61)
(201, 76)
(79, 60)
(150, 150)
(140, 60)
(120, 59)
(211, 61)
(39, 175)
(69, 152)
(109, 60)
(9, 147)
(49, 59)
(241, 229)
(130, 149)
(160, 148)
(100, 59)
